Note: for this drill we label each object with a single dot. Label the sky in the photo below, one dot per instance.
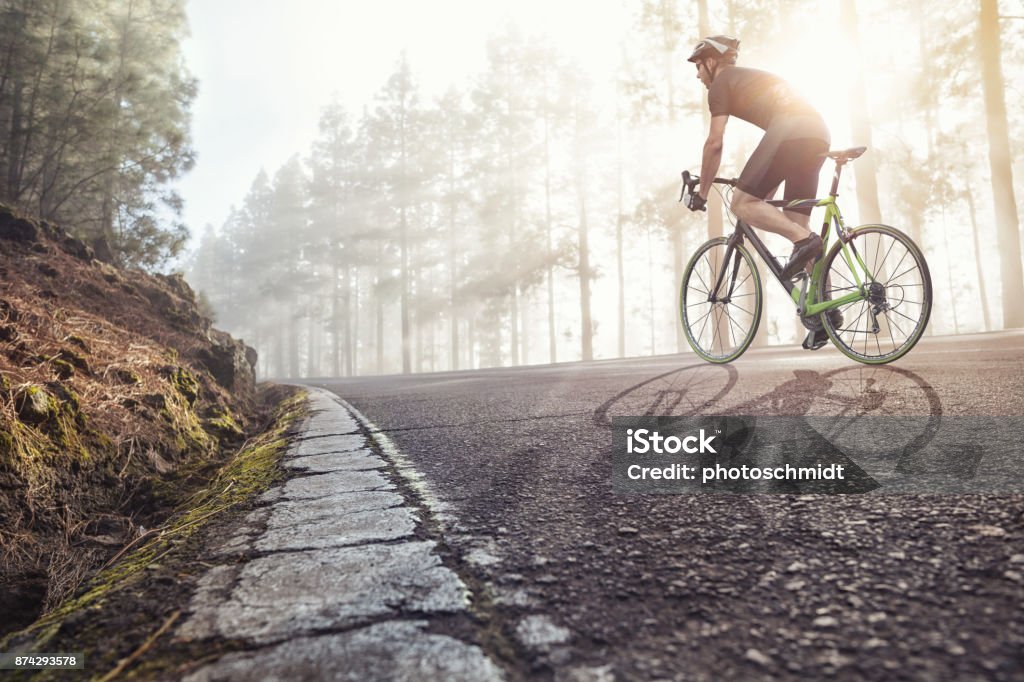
(266, 68)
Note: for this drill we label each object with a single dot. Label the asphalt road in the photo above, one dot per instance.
(573, 581)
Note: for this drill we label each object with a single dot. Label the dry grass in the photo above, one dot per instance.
(130, 417)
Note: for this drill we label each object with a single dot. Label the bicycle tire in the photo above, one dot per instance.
(695, 314)
(904, 299)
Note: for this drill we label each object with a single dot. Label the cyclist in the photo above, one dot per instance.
(791, 151)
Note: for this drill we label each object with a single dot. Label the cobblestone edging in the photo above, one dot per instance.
(337, 586)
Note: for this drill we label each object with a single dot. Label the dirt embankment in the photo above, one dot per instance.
(117, 401)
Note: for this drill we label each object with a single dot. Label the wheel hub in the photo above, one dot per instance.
(876, 294)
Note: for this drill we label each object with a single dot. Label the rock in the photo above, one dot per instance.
(395, 650)
(7, 311)
(757, 657)
(825, 622)
(987, 531)
(48, 270)
(539, 632)
(74, 359)
(179, 286)
(157, 401)
(34, 405)
(102, 251)
(78, 249)
(628, 530)
(228, 361)
(17, 229)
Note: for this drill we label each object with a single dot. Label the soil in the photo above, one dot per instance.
(118, 400)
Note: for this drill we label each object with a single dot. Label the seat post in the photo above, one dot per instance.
(834, 192)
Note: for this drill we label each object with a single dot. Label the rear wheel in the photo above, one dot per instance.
(891, 319)
(720, 325)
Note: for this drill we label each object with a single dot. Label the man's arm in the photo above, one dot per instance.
(712, 154)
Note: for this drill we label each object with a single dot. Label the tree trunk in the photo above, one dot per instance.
(453, 318)
(669, 37)
(620, 270)
(650, 292)
(524, 335)
(419, 323)
(352, 355)
(949, 275)
(586, 323)
(336, 323)
(552, 347)
(293, 344)
(860, 124)
(1007, 223)
(379, 313)
(279, 352)
(347, 322)
(312, 361)
(982, 275)
(404, 303)
(716, 225)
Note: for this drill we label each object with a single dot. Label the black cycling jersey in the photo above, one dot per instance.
(795, 133)
(758, 97)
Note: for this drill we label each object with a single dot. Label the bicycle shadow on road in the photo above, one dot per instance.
(884, 415)
(703, 389)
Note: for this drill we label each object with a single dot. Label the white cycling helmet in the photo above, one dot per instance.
(716, 46)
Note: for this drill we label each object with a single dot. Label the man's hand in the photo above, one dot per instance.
(696, 202)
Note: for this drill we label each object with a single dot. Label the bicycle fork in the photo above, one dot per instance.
(731, 253)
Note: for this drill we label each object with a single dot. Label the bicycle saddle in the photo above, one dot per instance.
(846, 154)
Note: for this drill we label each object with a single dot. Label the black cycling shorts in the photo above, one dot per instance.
(783, 157)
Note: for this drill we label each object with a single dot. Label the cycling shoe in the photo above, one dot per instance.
(804, 252)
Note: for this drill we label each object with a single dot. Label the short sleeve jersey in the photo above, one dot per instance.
(754, 96)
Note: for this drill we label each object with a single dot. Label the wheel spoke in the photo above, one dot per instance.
(910, 269)
(707, 288)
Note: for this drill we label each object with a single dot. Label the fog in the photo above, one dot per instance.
(504, 193)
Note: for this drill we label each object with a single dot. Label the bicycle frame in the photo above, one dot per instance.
(806, 302)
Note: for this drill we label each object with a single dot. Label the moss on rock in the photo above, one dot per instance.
(186, 384)
(34, 405)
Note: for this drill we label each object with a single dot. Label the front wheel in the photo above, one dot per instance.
(891, 319)
(720, 325)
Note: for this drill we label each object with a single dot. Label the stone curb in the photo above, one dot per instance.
(336, 585)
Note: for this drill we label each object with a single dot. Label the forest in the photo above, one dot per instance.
(94, 121)
(528, 214)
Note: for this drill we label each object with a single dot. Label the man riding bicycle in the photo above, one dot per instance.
(791, 150)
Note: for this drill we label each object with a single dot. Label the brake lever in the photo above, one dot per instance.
(688, 182)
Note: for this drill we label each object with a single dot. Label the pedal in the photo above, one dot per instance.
(816, 340)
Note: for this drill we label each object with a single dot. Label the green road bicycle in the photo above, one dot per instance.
(873, 275)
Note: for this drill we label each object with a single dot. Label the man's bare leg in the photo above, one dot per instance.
(754, 211)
